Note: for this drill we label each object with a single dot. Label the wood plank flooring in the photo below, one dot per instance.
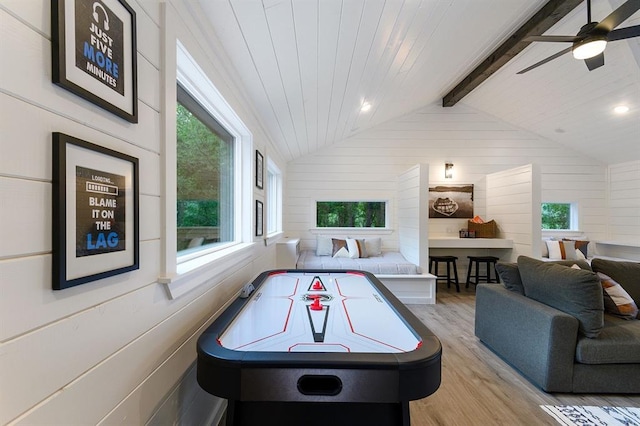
(479, 388)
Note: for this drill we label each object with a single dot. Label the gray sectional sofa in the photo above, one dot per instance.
(548, 321)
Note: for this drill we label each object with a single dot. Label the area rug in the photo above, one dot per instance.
(585, 415)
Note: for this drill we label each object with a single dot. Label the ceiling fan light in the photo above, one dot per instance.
(589, 48)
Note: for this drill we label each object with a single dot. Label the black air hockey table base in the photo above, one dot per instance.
(316, 414)
(282, 387)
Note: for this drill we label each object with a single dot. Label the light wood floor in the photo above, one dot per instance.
(479, 388)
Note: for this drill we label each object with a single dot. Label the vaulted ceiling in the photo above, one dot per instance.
(308, 66)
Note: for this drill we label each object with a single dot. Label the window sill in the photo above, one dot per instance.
(195, 272)
(378, 231)
(273, 238)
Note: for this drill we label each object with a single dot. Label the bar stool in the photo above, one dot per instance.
(489, 261)
(450, 261)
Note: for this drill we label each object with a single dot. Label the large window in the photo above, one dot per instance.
(205, 177)
(274, 198)
(559, 216)
(351, 214)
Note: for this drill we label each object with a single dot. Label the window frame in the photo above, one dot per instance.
(274, 192)
(183, 273)
(185, 99)
(387, 209)
(574, 224)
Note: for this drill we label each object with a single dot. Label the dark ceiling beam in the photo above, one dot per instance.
(545, 18)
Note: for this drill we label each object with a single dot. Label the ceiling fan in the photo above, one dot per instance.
(591, 40)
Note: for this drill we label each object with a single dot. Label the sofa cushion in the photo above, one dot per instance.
(510, 276)
(337, 244)
(576, 292)
(616, 300)
(627, 274)
(618, 343)
(324, 246)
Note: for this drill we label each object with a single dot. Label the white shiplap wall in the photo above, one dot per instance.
(367, 165)
(624, 212)
(513, 200)
(412, 221)
(108, 351)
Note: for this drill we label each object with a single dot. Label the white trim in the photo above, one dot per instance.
(182, 274)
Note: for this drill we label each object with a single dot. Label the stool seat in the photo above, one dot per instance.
(451, 264)
(489, 261)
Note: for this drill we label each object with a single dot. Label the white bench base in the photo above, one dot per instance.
(411, 289)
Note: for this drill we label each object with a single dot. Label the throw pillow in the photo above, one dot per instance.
(561, 249)
(569, 249)
(373, 246)
(354, 248)
(576, 292)
(337, 244)
(324, 246)
(616, 300)
(555, 253)
(510, 276)
(581, 246)
(627, 274)
(342, 252)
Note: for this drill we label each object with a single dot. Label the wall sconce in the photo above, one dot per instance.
(448, 170)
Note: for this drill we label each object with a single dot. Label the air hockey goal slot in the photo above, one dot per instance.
(325, 385)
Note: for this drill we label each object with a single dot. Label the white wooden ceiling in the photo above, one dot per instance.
(308, 66)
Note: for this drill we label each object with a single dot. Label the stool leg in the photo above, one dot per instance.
(469, 273)
(455, 274)
(431, 267)
(448, 275)
(477, 272)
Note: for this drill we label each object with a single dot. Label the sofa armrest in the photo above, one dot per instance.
(537, 339)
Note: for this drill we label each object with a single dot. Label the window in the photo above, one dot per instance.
(559, 216)
(274, 198)
(205, 177)
(351, 214)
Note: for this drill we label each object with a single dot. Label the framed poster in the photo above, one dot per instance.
(95, 212)
(259, 219)
(259, 169)
(94, 53)
(451, 201)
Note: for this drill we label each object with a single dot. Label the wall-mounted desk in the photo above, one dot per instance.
(470, 243)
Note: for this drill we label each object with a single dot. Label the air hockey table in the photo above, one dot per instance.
(317, 347)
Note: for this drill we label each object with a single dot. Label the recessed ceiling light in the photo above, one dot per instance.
(366, 106)
(621, 109)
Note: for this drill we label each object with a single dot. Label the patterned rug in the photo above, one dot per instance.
(584, 415)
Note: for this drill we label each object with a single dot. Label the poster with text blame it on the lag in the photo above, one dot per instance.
(99, 43)
(100, 212)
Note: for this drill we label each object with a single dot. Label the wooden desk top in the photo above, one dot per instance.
(464, 243)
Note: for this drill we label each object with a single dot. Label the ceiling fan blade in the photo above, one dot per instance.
(595, 62)
(552, 38)
(619, 15)
(544, 61)
(622, 33)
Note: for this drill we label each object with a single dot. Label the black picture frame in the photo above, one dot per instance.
(94, 53)
(259, 218)
(450, 201)
(259, 170)
(95, 229)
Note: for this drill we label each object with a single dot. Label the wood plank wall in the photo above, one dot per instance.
(412, 221)
(512, 199)
(108, 351)
(624, 202)
(367, 165)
